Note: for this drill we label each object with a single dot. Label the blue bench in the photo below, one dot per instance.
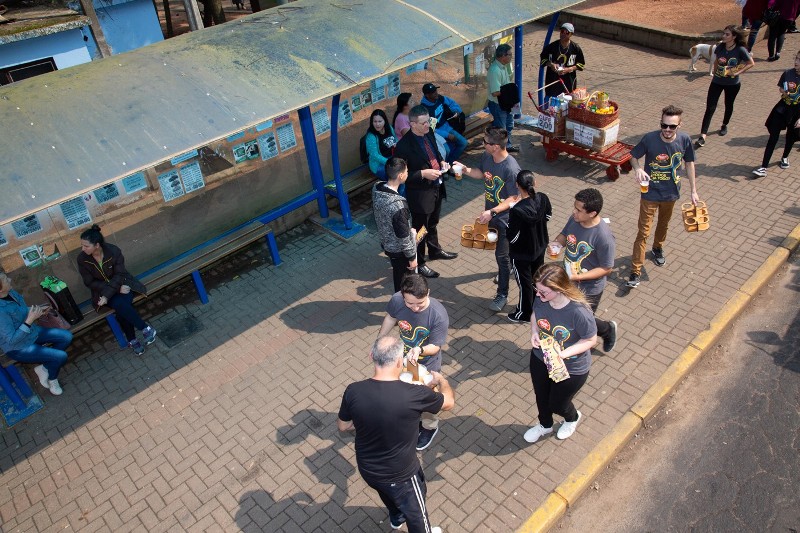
(190, 262)
(15, 386)
(354, 180)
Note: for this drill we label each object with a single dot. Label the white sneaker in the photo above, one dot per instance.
(760, 172)
(536, 432)
(784, 162)
(55, 387)
(568, 428)
(436, 529)
(44, 376)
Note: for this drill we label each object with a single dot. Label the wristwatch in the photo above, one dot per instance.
(493, 212)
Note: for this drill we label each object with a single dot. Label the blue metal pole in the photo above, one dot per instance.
(547, 38)
(344, 202)
(518, 61)
(312, 156)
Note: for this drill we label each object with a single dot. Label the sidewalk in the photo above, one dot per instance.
(234, 428)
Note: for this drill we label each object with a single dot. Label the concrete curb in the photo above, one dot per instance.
(567, 493)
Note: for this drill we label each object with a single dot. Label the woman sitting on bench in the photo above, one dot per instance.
(380, 143)
(22, 340)
(102, 268)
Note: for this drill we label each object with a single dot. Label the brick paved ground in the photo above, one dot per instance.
(234, 429)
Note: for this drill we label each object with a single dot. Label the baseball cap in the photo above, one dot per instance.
(569, 27)
(502, 50)
(429, 88)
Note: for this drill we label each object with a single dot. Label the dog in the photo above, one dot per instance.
(698, 51)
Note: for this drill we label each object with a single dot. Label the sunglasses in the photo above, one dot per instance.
(669, 126)
(488, 143)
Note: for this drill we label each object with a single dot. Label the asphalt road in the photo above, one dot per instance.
(723, 454)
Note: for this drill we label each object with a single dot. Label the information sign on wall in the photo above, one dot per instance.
(3, 240)
(171, 186)
(25, 226)
(286, 136)
(106, 193)
(192, 177)
(75, 213)
(321, 120)
(134, 182)
(268, 146)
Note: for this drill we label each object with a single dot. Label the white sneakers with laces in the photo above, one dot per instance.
(44, 378)
(536, 432)
(568, 428)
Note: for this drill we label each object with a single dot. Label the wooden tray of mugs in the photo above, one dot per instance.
(695, 217)
(479, 236)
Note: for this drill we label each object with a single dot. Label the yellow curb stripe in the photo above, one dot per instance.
(765, 272)
(545, 516)
(566, 494)
(593, 464)
(651, 400)
(706, 338)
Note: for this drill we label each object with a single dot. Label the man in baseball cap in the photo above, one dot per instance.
(562, 58)
(449, 119)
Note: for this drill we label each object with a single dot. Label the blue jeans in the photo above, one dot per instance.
(127, 316)
(405, 501)
(502, 119)
(52, 357)
(457, 144)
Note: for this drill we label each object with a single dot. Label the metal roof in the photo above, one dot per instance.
(71, 131)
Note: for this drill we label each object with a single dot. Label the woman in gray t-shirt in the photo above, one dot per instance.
(561, 317)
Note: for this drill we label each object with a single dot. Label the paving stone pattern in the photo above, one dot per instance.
(234, 429)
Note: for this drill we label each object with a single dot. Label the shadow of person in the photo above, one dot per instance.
(259, 512)
(334, 316)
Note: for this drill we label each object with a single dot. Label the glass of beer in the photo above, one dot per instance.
(458, 170)
(644, 186)
(553, 249)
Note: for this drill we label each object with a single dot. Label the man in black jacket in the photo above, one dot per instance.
(425, 189)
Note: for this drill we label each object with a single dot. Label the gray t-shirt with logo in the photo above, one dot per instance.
(588, 248)
(664, 162)
(502, 185)
(420, 329)
(567, 326)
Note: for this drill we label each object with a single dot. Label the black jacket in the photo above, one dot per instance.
(527, 227)
(422, 194)
(106, 279)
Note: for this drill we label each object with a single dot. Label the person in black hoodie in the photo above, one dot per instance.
(102, 268)
(528, 238)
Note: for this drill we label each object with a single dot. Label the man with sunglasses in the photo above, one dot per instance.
(425, 189)
(498, 170)
(563, 58)
(666, 153)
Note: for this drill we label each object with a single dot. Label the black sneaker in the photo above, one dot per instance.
(633, 281)
(396, 526)
(658, 257)
(425, 438)
(700, 142)
(723, 131)
(610, 341)
(518, 319)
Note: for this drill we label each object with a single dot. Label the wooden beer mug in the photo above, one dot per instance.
(695, 217)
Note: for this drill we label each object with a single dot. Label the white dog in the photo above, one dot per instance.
(705, 51)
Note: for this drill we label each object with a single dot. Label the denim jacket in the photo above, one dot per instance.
(14, 334)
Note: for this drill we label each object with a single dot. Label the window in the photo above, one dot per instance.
(26, 70)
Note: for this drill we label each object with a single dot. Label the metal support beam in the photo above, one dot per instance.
(312, 156)
(96, 29)
(193, 15)
(344, 201)
(553, 23)
(518, 36)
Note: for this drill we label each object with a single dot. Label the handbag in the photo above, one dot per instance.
(770, 16)
(53, 320)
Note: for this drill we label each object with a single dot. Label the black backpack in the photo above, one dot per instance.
(362, 147)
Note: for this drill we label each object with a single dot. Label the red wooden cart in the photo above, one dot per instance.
(617, 156)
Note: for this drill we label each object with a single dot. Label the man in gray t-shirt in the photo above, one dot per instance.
(589, 250)
(498, 170)
(422, 322)
(665, 152)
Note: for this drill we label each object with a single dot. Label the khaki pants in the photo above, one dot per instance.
(648, 210)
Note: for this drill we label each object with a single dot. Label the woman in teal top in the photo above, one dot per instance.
(380, 143)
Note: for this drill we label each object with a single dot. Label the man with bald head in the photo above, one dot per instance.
(385, 414)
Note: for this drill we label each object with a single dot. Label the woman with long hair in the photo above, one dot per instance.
(102, 267)
(380, 142)
(562, 329)
(784, 116)
(528, 238)
(23, 340)
(730, 61)
(400, 119)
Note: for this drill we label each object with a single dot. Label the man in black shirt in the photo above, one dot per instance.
(385, 413)
(562, 59)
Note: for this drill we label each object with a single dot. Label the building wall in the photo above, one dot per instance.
(129, 25)
(67, 48)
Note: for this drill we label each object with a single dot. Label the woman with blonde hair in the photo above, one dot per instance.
(562, 329)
